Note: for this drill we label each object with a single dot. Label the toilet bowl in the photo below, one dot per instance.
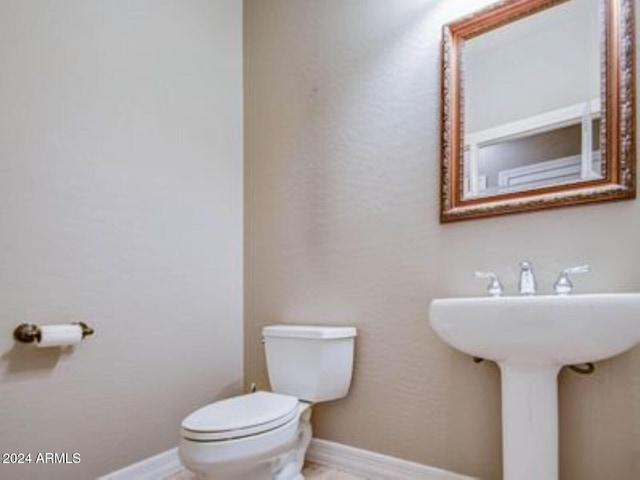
(260, 435)
(265, 435)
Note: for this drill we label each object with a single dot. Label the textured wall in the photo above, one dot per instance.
(342, 228)
(120, 204)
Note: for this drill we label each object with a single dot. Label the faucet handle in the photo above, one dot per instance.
(563, 285)
(494, 288)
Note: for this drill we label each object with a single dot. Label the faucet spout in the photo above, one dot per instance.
(527, 284)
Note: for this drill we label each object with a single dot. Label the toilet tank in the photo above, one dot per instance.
(308, 362)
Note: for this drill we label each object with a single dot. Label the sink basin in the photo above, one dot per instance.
(555, 329)
(531, 338)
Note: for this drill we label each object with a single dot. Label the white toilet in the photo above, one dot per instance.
(265, 435)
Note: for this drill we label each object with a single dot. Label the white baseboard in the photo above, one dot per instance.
(158, 467)
(373, 466)
(363, 463)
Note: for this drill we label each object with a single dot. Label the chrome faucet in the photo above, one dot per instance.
(527, 284)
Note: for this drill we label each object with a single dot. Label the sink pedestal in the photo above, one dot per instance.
(531, 338)
(530, 421)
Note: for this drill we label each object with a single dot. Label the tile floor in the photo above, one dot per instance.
(319, 472)
(311, 472)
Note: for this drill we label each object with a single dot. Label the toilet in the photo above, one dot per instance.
(265, 435)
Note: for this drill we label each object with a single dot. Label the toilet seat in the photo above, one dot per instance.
(238, 417)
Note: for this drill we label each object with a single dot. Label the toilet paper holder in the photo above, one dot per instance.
(30, 333)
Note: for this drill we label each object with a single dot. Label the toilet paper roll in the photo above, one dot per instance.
(59, 335)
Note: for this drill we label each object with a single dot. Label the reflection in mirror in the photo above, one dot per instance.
(532, 98)
(559, 155)
(538, 107)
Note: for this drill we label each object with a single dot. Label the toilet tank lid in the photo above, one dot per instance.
(308, 331)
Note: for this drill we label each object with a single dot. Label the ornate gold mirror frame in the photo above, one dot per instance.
(617, 133)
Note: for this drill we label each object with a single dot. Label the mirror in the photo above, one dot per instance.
(538, 107)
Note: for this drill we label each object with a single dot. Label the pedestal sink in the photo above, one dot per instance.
(531, 338)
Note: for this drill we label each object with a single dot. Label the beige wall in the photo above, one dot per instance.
(120, 204)
(342, 227)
